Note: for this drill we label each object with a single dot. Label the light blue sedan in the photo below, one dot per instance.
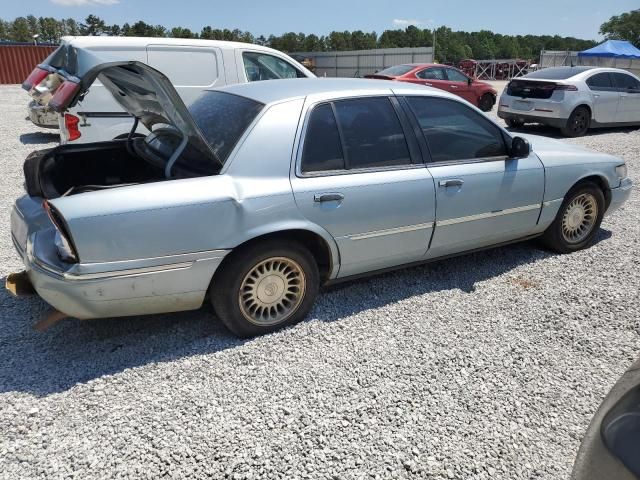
(260, 193)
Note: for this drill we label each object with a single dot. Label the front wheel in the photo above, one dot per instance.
(486, 102)
(578, 123)
(264, 287)
(577, 221)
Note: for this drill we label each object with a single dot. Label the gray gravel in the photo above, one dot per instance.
(484, 366)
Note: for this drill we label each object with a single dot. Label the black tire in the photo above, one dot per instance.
(513, 123)
(554, 238)
(578, 123)
(486, 103)
(228, 280)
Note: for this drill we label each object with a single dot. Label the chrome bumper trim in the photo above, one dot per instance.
(482, 216)
(391, 231)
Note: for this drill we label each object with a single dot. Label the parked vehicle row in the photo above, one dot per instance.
(259, 193)
(191, 65)
(573, 99)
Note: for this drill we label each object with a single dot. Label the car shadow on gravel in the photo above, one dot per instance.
(75, 351)
(545, 131)
(39, 138)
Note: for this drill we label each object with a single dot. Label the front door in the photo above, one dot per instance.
(459, 84)
(482, 196)
(433, 77)
(629, 104)
(605, 97)
(362, 179)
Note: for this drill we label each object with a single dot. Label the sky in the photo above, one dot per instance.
(577, 18)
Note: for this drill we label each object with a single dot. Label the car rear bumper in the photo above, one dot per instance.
(546, 111)
(620, 195)
(112, 289)
(42, 116)
(528, 118)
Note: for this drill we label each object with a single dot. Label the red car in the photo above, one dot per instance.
(481, 94)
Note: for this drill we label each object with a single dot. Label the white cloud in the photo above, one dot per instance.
(84, 3)
(405, 22)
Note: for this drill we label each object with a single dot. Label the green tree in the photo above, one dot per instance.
(93, 26)
(19, 30)
(623, 27)
(180, 32)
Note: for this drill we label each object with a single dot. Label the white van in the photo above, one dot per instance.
(191, 65)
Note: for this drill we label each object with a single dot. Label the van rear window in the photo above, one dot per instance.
(223, 118)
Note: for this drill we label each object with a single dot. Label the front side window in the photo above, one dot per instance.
(262, 66)
(456, 132)
(354, 134)
(432, 74)
(600, 81)
(625, 82)
(456, 76)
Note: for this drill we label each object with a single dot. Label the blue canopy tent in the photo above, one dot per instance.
(612, 49)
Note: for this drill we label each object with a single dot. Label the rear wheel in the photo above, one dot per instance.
(514, 123)
(577, 123)
(264, 287)
(577, 220)
(486, 102)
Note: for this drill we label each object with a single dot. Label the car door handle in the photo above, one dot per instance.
(328, 197)
(595, 95)
(453, 182)
(453, 86)
(428, 84)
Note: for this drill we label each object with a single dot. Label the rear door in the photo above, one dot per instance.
(360, 176)
(605, 97)
(483, 197)
(629, 104)
(459, 84)
(190, 69)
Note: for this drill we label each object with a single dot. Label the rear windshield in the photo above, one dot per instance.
(223, 118)
(557, 73)
(397, 70)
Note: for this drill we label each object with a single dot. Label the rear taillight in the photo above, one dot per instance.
(71, 126)
(62, 240)
(63, 96)
(35, 77)
(566, 88)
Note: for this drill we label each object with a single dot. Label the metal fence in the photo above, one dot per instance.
(556, 58)
(357, 63)
(17, 61)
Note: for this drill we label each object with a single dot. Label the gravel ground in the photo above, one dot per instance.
(485, 366)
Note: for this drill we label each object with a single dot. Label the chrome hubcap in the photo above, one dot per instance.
(579, 218)
(272, 291)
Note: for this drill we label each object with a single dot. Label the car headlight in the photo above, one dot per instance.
(65, 251)
(621, 171)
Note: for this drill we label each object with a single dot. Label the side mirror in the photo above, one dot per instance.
(469, 80)
(520, 148)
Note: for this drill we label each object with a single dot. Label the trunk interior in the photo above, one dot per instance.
(73, 169)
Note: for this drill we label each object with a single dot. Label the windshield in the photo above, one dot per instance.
(396, 71)
(557, 73)
(223, 118)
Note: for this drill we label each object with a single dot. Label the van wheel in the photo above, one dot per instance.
(577, 221)
(264, 287)
(578, 123)
(513, 123)
(486, 102)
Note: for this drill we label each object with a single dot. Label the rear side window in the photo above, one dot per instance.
(322, 148)
(456, 132)
(600, 81)
(354, 134)
(397, 70)
(262, 66)
(223, 118)
(625, 82)
(432, 74)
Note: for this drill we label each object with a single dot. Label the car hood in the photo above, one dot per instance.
(142, 91)
(554, 152)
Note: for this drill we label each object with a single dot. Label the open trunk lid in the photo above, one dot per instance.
(142, 91)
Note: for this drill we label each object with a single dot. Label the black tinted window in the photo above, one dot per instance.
(456, 76)
(600, 81)
(625, 82)
(432, 74)
(322, 149)
(372, 133)
(557, 73)
(223, 118)
(456, 132)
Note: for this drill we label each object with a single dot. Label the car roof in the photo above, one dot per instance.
(272, 91)
(108, 41)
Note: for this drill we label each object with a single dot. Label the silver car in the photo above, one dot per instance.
(260, 193)
(573, 99)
